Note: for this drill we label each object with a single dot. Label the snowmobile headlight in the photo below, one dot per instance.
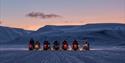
(36, 46)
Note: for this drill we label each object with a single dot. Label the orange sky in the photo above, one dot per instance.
(35, 24)
(13, 13)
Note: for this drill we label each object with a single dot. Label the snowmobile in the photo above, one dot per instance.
(64, 45)
(86, 46)
(31, 44)
(56, 45)
(37, 45)
(75, 45)
(46, 45)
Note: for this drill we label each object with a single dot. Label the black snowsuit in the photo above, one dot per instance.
(75, 45)
(46, 45)
(64, 45)
(31, 44)
(56, 45)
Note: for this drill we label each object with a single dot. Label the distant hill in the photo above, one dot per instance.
(8, 33)
(96, 34)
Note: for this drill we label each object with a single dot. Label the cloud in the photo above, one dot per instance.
(42, 15)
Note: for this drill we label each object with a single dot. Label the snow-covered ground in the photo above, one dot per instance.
(25, 48)
(98, 54)
(107, 44)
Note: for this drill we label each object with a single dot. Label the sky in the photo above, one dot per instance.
(33, 14)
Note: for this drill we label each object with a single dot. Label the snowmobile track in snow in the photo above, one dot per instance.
(95, 55)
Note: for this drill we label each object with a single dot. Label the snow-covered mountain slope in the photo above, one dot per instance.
(97, 34)
(87, 27)
(8, 34)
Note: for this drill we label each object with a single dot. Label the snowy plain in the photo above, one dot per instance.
(97, 54)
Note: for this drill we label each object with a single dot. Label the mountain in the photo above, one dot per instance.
(96, 34)
(9, 34)
(102, 33)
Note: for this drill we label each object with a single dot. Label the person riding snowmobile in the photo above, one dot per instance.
(86, 45)
(31, 44)
(64, 45)
(46, 45)
(37, 45)
(75, 45)
(56, 45)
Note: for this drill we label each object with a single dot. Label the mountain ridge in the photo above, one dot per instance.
(99, 34)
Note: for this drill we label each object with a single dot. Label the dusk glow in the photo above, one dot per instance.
(13, 13)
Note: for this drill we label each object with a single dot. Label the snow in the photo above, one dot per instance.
(114, 54)
(97, 54)
(97, 34)
(8, 33)
(107, 44)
